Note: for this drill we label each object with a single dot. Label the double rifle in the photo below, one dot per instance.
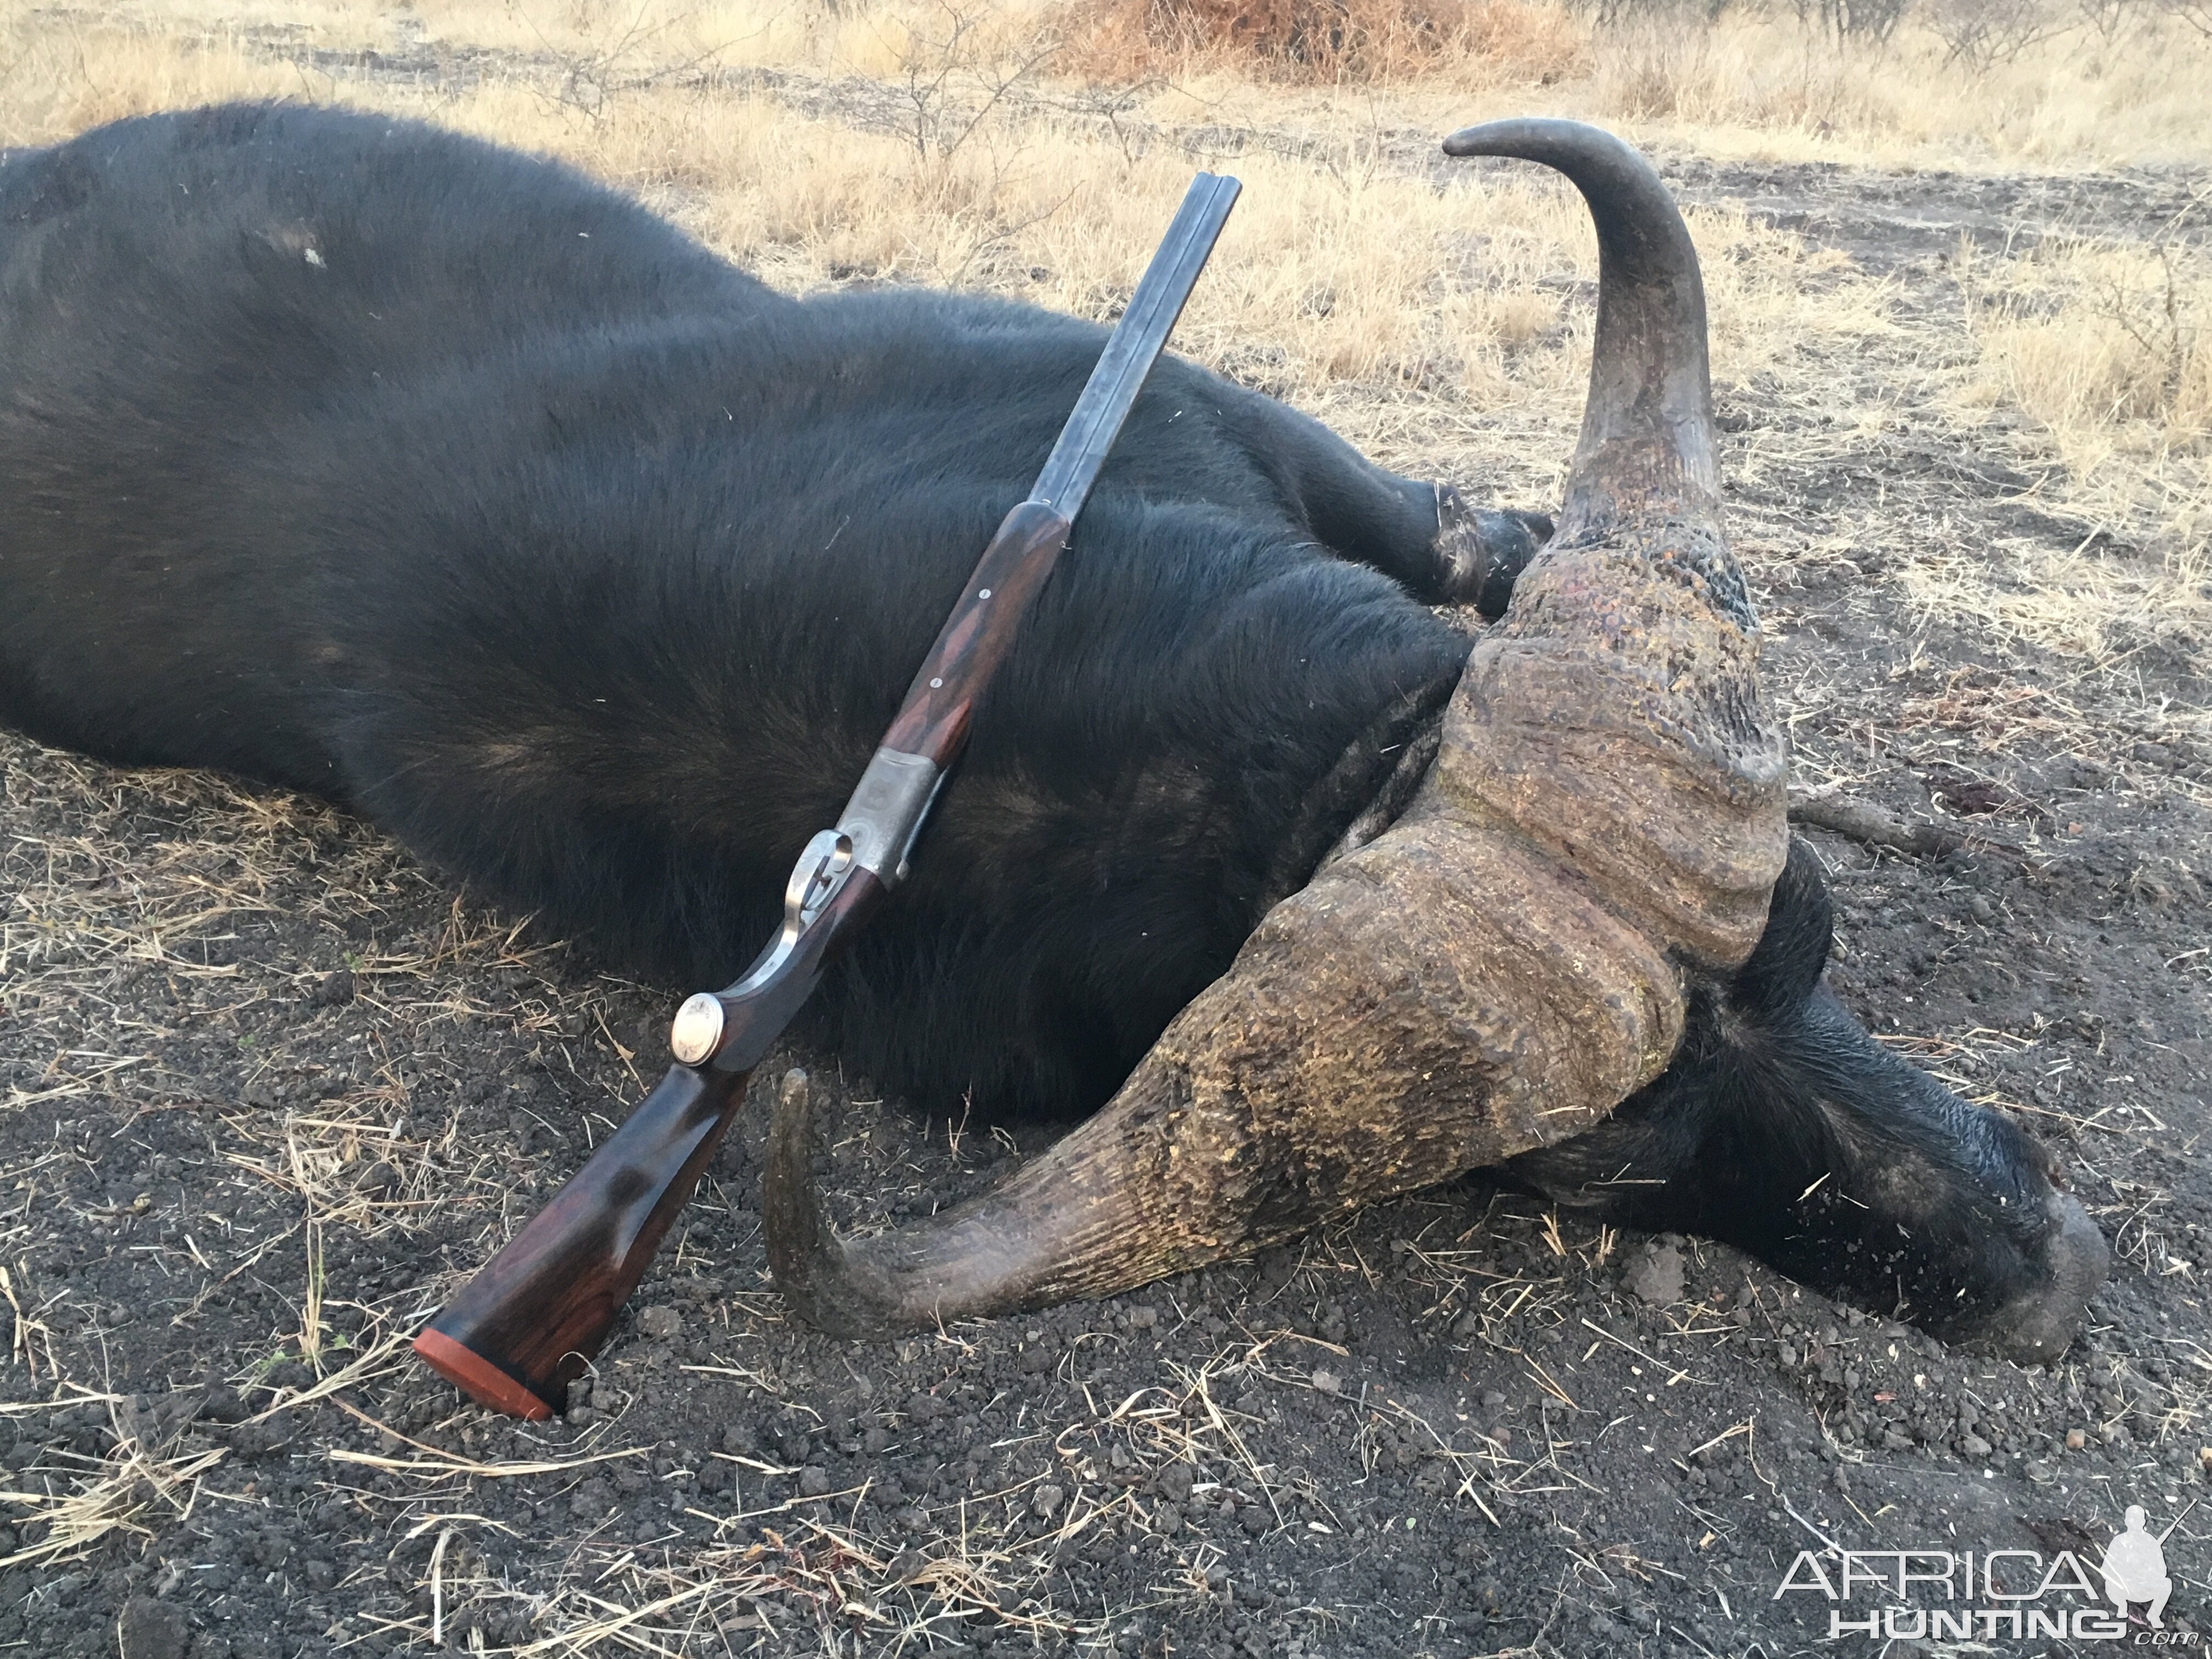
(528, 1324)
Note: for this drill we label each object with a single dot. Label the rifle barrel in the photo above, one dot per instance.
(530, 1320)
(1111, 392)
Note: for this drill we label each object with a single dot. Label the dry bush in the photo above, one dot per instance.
(2113, 371)
(1981, 33)
(1511, 40)
(2108, 349)
(2114, 22)
(1870, 20)
(1330, 40)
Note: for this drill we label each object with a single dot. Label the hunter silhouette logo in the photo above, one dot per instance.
(2135, 1568)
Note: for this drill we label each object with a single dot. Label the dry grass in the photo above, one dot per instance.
(2105, 351)
(1766, 85)
(2101, 611)
(146, 1483)
(2108, 348)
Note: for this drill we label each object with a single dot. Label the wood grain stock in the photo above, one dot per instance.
(934, 720)
(526, 1326)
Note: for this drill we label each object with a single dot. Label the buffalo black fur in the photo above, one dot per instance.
(356, 456)
(594, 570)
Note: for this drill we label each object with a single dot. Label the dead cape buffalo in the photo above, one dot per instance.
(347, 454)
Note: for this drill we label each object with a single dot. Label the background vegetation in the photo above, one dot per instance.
(1033, 147)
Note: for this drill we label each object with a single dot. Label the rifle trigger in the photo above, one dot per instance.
(700, 1027)
(820, 872)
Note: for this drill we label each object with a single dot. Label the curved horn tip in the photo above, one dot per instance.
(804, 1255)
(1625, 191)
(1520, 134)
(791, 1217)
(1646, 447)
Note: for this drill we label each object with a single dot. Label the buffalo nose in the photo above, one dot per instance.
(2035, 1329)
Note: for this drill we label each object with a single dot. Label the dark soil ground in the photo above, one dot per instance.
(269, 1090)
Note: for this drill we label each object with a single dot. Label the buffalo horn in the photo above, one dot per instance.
(1501, 967)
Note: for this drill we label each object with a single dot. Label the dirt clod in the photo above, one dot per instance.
(151, 1630)
(1656, 1274)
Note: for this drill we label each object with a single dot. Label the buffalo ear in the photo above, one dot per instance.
(1799, 927)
